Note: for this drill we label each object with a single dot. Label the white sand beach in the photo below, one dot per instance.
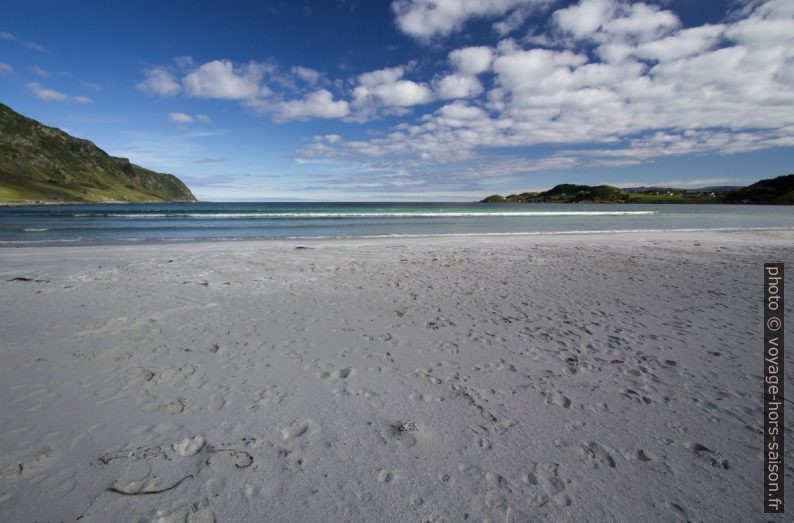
(592, 377)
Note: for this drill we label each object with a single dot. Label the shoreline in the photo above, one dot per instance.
(297, 239)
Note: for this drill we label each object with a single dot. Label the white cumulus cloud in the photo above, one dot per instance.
(604, 83)
(308, 75)
(221, 79)
(615, 20)
(184, 118)
(584, 18)
(472, 60)
(685, 43)
(40, 72)
(652, 88)
(458, 86)
(180, 118)
(427, 18)
(318, 104)
(45, 94)
(386, 88)
(159, 81)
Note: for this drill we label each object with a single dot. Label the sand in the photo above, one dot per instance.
(558, 377)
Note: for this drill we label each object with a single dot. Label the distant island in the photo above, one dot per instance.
(778, 190)
(41, 164)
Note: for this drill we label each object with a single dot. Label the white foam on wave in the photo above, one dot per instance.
(166, 240)
(40, 242)
(33, 229)
(529, 233)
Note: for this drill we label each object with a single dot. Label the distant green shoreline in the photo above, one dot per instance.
(773, 191)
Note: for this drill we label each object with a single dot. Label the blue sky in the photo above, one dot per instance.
(413, 99)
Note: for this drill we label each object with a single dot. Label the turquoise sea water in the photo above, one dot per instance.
(121, 223)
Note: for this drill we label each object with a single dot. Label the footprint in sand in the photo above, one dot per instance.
(404, 432)
(678, 512)
(297, 429)
(341, 374)
(556, 397)
(385, 476)
(176, 406)
(337, 374)
(481, 437)
(639, 455)
(137, 377)
(271, 396)
(709, 456)
(189, 446)
(597, 455)
(217, 402)
(201, 515)
(547, 478)
(636, 396)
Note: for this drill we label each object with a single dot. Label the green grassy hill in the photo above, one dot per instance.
(566, 193)
(778, 190)
(772, 190)
(44, 164)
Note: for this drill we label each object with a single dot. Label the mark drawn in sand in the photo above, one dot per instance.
(148, 492)
(149, 466)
